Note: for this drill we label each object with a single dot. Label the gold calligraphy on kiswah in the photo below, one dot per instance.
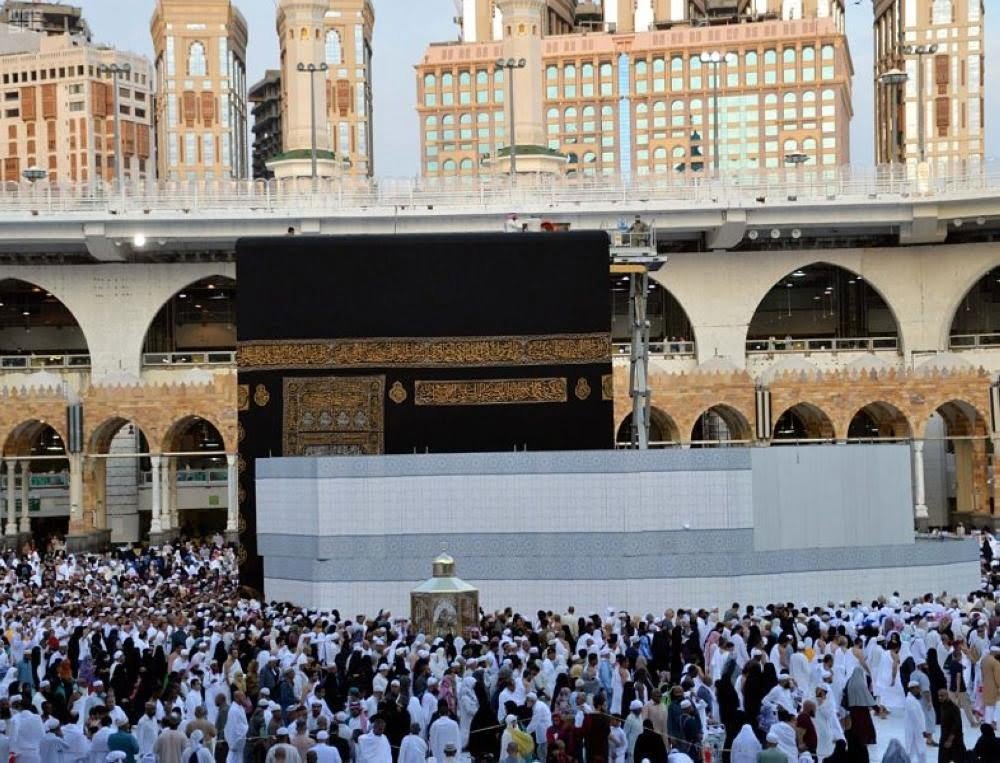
(490, 391)
(443, 352)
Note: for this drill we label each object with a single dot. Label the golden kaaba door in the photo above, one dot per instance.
(333, 416)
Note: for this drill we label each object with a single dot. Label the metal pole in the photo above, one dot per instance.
(119, 158)
(312, 103)
(513, 139)
(920, 106)
(893, 137)
(715, 116)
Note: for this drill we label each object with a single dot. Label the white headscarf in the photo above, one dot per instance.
(745, 746)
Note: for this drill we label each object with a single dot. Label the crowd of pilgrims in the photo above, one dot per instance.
(154, 655)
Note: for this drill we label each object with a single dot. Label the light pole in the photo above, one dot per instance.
(115, 70)
(34, 174)
(715, 59)
(510, 64)
(891, 80)
(312, 69)
(920, 51)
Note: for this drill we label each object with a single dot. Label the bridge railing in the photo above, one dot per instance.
(525, 193)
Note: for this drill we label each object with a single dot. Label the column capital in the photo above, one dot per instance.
(918, 445)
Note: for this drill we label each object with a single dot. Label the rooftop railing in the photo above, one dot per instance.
(349, 195)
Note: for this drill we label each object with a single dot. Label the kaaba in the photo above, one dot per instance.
(368, 345)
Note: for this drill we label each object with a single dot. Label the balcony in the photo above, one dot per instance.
(188, 359)
(974, 341)
(823, 344)
(661, 348)
(44, 362)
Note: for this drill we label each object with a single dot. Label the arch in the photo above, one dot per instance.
(35, 323)
(879, 419)
(662, 429)
(199, 317)
(668, 321)
(130, 442)
(803, 421)
(177, 431)
(335, 51)
(822, 301)
(977, 313)
(24, 438)
(719, 425)
(103, 433)
(197, 61)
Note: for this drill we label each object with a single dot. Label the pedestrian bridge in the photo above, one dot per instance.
(693, 211)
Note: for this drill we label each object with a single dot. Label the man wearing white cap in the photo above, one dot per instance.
(291, 754)
(197, 752)
(914, 724)
(539, 725)
(27, 738)
(52, 745)
(236, 729)
(325, 751)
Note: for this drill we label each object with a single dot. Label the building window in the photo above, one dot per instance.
(225, 150)
(173, 146)
(359, 44)
(208, 149)
(464, 79)
(190, 148)
(344, 138)
(334, 48)
(694, 64)
(197, 65)
(224, 57)
(790, 110)
(171, 111)
(224, 110)
(171, 61)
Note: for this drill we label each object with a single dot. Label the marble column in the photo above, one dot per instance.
(919, 497)
(11, 527)
(25, 495)
(75, 493)
(232, 495)
(156, 523)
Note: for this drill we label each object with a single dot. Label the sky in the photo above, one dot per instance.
(402, 34)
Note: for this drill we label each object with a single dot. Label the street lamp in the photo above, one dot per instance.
(510, 64)
(115, 70)
(715, 59)
(920, 51)
(796, 159)
(892, 80)
(312, 69)
(34, 174)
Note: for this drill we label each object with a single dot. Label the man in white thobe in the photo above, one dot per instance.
(915, 724)
(146, 731)
(414, 748)
(373, 747)
(236, 730)
(443, 731)
(28, 738)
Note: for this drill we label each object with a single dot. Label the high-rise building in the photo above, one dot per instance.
(47, 18)
(266, 99)
(934, 112)
(201, 102)
(644, 102)
(59, 103)
(326, 93)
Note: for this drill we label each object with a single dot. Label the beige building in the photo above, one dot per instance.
(201, 102)
(642, 103)
(938, 111)
(58, 108)
(482, 20)
(337, 35)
